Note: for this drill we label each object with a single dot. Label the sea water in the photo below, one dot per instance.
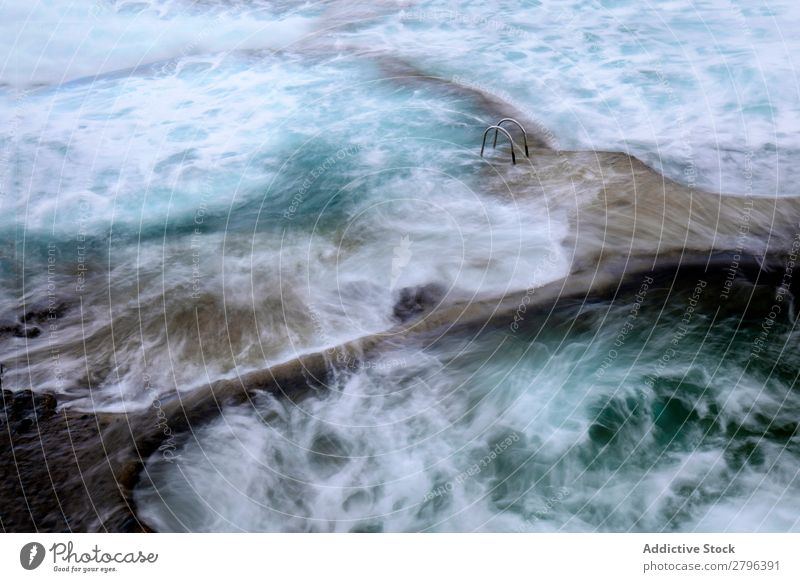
(198, 190)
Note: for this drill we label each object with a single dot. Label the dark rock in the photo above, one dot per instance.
(19, 330)
(8, 329)
(413, 301)
(26, 331)
(40, 311)
(45, 405)
(22, 405)
(68, 472)
(26, 406)
(37, 314)
(24, 425)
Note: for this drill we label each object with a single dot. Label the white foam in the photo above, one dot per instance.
(394, 445)
(55, 42)
(710, 86)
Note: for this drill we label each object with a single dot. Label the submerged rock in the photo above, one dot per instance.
(41, 311)
(412, 301)
(19, 330)
(28, 325)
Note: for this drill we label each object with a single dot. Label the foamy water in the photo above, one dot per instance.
(199, 190)
(706, 92)
(510, 434)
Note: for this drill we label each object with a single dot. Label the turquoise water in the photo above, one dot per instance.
(597, 421)
(236, 132)
(213, 188)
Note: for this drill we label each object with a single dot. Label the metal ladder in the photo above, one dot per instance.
(498, 128)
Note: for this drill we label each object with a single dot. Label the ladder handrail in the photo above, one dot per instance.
(508, 135)
(519, 125)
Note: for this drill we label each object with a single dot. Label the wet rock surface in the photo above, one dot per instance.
(55, 475)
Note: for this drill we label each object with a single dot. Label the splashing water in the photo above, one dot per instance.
(514, 431)
(192, 191)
